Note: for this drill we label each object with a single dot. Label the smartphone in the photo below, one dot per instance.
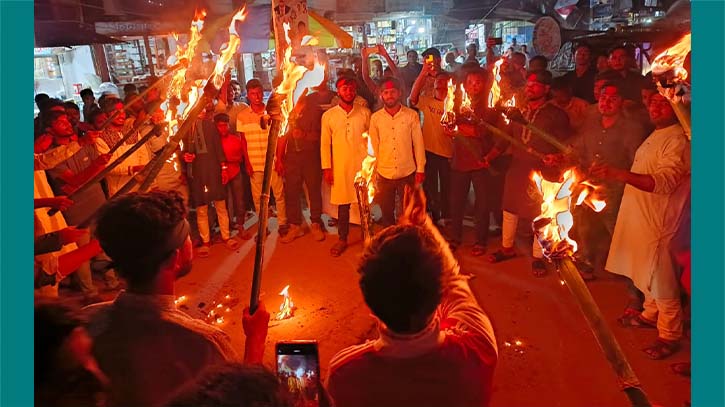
(429, 59)
(497, 40)
(298, 368)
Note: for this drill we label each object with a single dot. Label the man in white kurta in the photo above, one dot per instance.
(654, 196)
(343, 148)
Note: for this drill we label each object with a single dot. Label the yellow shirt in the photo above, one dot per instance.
(433, 137)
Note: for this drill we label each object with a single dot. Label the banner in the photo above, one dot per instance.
(294, 13)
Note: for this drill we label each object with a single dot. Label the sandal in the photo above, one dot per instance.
(338, 248)
(538, 267)
(500, 255)
(231, 244)
(682, 368)
(661, 349)
(636, 321)
(478, 250)
(203, 250)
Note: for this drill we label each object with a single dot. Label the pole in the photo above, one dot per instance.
(273, 107)
(514, 114)
(605, 338)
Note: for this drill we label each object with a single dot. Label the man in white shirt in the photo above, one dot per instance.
(397, 140)
(343, 148)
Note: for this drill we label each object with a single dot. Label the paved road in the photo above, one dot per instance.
(557, 362)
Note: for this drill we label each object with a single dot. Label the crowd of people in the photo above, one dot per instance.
(140, 350)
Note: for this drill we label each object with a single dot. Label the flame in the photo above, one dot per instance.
(552, 226)
(494, 95)
(287, 307)
(296, 79)
(228, 49)
(448, 119)
(180, 300)
(465, 102)
(364, 176)
(206, 189)
(187, 52)
(673, 59)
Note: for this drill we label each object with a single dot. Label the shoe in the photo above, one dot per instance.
(203, 250)
(293, 233)
(245, 234)
(317, 232)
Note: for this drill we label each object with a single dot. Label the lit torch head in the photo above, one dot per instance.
(448, 120)
(287, 307)
(228, 49)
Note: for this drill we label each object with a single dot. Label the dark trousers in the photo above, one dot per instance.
(235, 197)
(460, 185)
(436, 185)
(246, 183)
(388, 189)
(594, 231)
(303, 167)
(343, 221)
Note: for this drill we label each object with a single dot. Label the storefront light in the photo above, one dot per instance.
(421, 30)
(412, 22)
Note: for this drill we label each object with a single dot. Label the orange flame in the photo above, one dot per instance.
(494, 95)
(229, 48)
(555, 221)
(673, 59)
(296, 79)
(286, 309)
(366, 173)
(449, 103)
(187, 52)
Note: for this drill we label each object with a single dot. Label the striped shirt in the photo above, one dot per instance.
(248, 123)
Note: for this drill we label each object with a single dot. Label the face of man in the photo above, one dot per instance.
(537, 65)
(518, 61)
(376, 69)
(610, 102)
(99, 119)
(475, 85)
(121, 117)
(440, 87)
(74, 116)
(88, 99)
(535, 90)
(561, 97)
(152, 95)
(660, 111)
(390, 95)
(618, 60)
(222, 127)
(598, 88)
(582, 56)
(647, 96)
(471, 50)
(255, 96)
(602, 63)
(412, 57)
(347, 90)
(357, 65)
(61, 127)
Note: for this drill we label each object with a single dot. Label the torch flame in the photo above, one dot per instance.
(366, 172)
(555, 221)
(229, 48)
(296, 79)
(287, 307)
(448, 119)
(494, 95)
(673, 59)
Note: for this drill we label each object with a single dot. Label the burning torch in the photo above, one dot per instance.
(669, 71)
(551, 228)
(365, 193)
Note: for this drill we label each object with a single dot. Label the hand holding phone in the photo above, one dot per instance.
(298, 369)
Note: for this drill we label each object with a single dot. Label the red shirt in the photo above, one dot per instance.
(233, 145)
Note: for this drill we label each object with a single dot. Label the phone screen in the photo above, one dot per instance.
(298, 368)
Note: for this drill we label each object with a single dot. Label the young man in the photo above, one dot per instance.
(343, 148)
(207, 171)
(397, 141)
(609, 138)
(438, 145)
(581, 78)
(648, 219)
(248, 123)
(237, 160)
(302, 164)
(147, 347)
(538, 63)
(518, 202)
(435, 346)
(411, 70)
(473, 151)
(563, 98)
(621, 61)
(233, 104)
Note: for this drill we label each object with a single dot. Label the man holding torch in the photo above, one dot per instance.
(654, 194)
(343, 148)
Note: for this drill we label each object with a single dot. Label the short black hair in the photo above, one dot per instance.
(254, 83)
(233, 384)
(71, 105)
(129, 88)
(616, 47)
(401, 277)
(221, 117)
(49, 117)
(607, 75)
(477, 71)
(40, 97)
(432, 51)
(133, 227)
(541, 59)
(617, 84)
(235, 82)
(47, 104)
(54, 321)
(87, 92)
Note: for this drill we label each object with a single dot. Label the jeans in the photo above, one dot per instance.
(595, 231)
(508, 235)
(303, 167)
(436, 185)
(388, 189)
(276, 187)
(202, 220)
(460, 185)
(235, 194)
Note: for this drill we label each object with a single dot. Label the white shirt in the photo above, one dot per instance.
(343, 148)
(397, 142)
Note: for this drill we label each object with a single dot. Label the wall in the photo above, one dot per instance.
(76, 66)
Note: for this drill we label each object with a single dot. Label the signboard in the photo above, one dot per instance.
(294, 13)
(547, 37)
(121, 28)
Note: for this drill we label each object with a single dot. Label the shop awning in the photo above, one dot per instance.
(68, 33)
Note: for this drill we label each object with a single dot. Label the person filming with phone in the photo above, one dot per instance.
(436, 346)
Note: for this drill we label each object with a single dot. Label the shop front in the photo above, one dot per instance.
(62, 72)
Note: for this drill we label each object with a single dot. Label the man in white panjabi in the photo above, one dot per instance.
(654, 197)
(343, 148)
